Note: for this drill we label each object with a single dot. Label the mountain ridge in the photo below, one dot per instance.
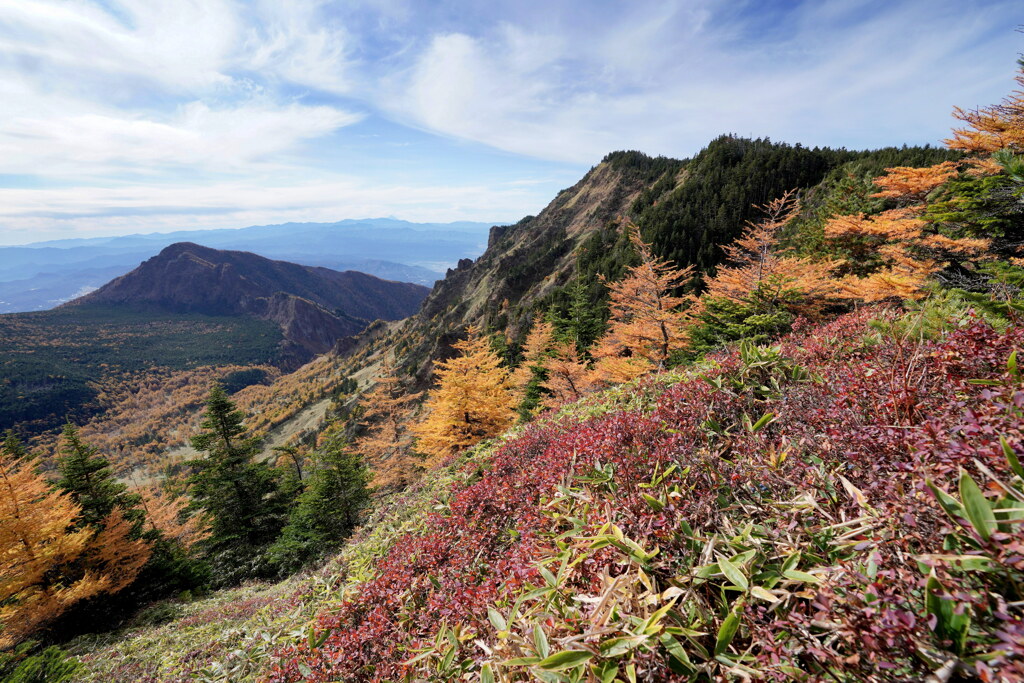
(314, 306)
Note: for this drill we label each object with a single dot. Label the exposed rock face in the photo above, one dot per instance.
(314, 307)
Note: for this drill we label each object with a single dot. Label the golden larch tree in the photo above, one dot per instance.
(35, 544)
(536, 355)
(756, 268)
(167, 514)
(647, 320)
(473, 400)
(385, 441)
(568, 376)
(894, 253)
(990, 129)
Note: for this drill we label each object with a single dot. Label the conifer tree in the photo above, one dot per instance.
(473, 400)
(762, 278)
(892, 254)
(648, 320)
(993, 128)
(37, 539)
(384, 443)
(88, 478)
(568, 376)
(327, 511)
(582, 324)
(239, 494)
(529, 377)
(12, 446)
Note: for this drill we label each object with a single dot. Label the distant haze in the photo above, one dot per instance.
(42, 275)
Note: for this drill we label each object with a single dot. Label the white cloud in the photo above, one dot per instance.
(211, 105)
(669, 77)
(91, 142)
(33, 214)
(150, 85)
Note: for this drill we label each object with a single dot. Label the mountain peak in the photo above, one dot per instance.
(313, 306)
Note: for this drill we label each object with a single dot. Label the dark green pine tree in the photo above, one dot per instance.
(88, 478)
(13, 448)
(327, 511)
(582, 321)
(241, 495)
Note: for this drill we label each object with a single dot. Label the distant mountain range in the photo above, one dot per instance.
(42, 275)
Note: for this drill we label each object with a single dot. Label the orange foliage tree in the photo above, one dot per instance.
(647, 320)
(990, 129)
(759, 272)
(532, 371)
(473, 400)
(36, 541)
(167, 514)
(384, 443)
(893, 254)
(568, 376)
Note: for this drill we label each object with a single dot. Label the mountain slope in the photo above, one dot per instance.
(41, 275)
(187, 307)
(188, 278)
(687, 208)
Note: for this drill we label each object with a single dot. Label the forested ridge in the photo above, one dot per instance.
(754, 415)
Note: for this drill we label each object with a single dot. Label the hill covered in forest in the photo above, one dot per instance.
(187, 307)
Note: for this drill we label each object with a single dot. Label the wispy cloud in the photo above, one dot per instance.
(134, 115)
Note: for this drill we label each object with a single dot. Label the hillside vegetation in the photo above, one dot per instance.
(794, 457)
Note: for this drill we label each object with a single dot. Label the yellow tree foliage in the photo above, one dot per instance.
(473, 400)
(384, 444)
(647, 321)
(756, 266)
(908, 185)
(990, 129)
(115, 555)
(35, 543)
(892, 255)
(536, 351)
(569, 378)
(166, 513)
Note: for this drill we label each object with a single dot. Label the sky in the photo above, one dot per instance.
(128, 116)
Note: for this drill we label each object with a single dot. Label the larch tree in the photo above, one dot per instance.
(385, 441)
(648, 321)
(167, 514)
(529, 377)
(569, 377)
(764, 277)
(994, 128)
(37, 539)
(893, 254)
(473, 400)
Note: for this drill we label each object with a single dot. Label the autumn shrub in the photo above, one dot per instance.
(771, 517)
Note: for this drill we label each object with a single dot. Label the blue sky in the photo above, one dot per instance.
(122, 116)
